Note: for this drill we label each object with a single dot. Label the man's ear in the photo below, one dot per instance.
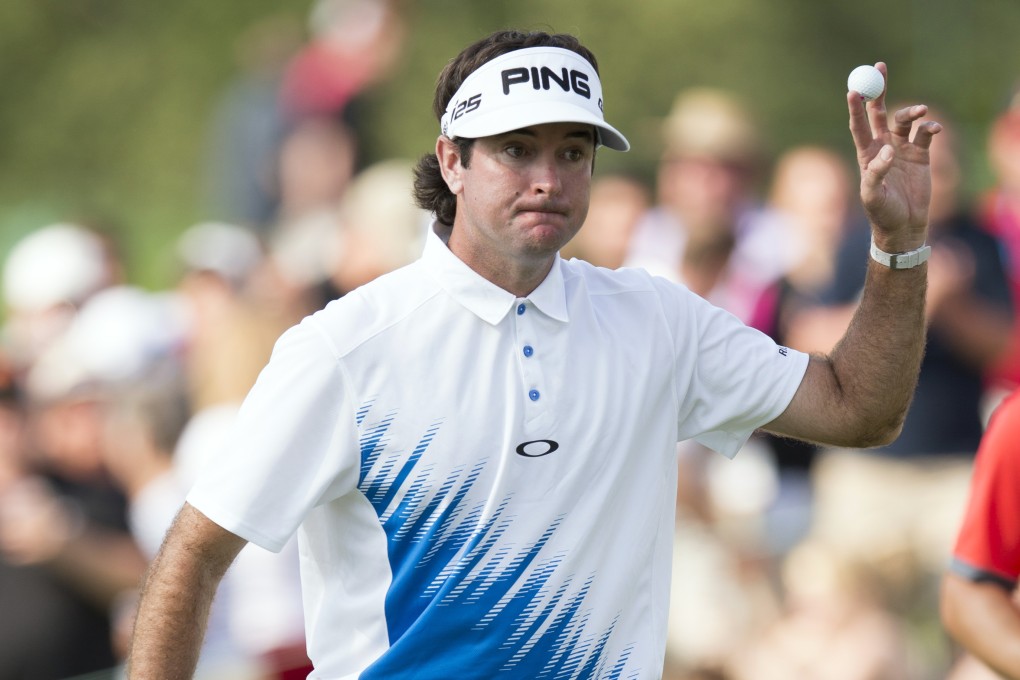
(448, 154)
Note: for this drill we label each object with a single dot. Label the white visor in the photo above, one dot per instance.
(527, 87)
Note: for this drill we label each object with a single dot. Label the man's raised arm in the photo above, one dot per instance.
(858, 394)
(176, 597)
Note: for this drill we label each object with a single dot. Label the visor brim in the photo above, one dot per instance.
(518, 116)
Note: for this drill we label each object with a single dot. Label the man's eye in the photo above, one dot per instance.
(515, 150)
(574, 155)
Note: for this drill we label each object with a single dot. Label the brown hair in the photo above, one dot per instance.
(430, 190)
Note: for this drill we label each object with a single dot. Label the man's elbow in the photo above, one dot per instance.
(883, 434)
(872, 432)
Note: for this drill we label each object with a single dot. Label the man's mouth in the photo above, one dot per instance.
(544, 208)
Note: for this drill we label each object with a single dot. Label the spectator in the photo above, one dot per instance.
(64, 534)
(49, 629)
(142, 421)
(617, 203)
(47, 275)
(832, 628)
(247, 126)
(316, 166)
(231, 333)
(706, 231)
(969, 668)
(811, 192)
(979, 606)
(354, 45)
(1000, 216)
(288, 93)
(381, 229)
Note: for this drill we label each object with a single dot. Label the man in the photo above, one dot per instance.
(978, 605)
(478, 450)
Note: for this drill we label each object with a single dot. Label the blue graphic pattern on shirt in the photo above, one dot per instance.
(463, 602)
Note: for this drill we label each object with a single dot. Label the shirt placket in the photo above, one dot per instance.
(528, 346)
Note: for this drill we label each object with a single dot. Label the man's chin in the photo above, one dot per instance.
(549, 238)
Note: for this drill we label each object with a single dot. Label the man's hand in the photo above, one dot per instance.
(895, 170)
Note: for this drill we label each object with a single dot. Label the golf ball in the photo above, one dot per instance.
(866, 81)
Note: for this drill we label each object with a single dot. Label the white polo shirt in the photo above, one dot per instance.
(484, 486)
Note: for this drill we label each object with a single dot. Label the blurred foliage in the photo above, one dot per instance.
(108, 103)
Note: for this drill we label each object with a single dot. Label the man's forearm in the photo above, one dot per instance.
(171, 622)
(877, 362)
(178, 593)
(858, 394)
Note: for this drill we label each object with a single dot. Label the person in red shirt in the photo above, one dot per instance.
(977, 600)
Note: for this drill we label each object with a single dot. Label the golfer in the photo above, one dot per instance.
(477, 451)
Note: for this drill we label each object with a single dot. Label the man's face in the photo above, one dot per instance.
(524, 193)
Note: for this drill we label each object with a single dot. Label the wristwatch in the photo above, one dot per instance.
(907, 260)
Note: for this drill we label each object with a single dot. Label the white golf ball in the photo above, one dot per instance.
(866, 81)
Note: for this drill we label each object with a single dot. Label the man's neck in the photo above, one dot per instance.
(517, 275)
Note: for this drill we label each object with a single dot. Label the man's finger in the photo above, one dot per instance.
(860, 130)
(903, 119)
(925, 132)
(877, 113)
(875, 172)
(903, 123)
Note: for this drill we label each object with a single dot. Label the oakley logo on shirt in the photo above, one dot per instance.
(537, 448)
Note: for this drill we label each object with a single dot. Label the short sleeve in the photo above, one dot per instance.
(294, 445)
(730, 379)
(988, 544)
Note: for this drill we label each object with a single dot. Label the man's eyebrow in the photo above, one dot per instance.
(587, 134)
(521, 131)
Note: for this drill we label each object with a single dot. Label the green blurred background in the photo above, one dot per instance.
(107, 103)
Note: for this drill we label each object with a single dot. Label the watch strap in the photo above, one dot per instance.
(907, 260)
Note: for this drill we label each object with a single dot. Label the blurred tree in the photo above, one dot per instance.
(105, 112)
(107, 102)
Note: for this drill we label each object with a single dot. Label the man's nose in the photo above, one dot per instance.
(546, 177)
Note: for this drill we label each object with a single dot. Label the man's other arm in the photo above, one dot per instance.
(176, 597)
(858, 394)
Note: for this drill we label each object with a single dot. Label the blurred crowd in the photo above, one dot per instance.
(791, 561)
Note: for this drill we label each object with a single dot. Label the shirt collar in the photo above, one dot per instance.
(483, 298)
